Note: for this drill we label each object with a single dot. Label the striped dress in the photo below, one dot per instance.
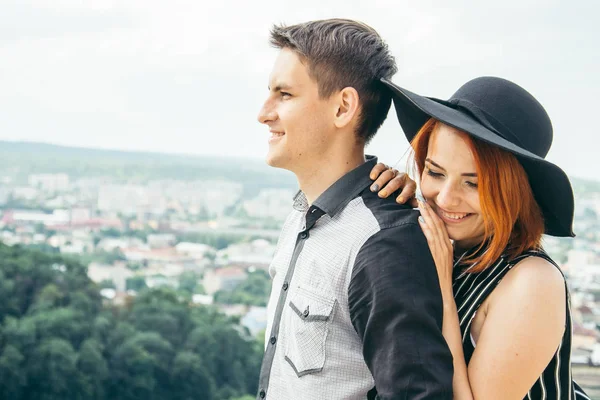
(470, 291)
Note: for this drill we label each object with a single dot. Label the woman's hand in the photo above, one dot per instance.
(441, 248)
(388, 180)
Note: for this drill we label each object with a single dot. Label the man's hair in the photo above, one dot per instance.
(343, 53)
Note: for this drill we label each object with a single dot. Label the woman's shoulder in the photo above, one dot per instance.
(533, 277)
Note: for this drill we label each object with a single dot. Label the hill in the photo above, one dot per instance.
(19, 159)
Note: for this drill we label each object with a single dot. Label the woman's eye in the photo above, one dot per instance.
(433, 174)
(472, 185)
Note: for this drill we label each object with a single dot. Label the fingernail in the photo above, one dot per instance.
(383, 193)
(400, 199)
(421, 219)
(374, 188)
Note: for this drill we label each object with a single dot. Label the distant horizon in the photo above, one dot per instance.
(186, 155)
(134, 151)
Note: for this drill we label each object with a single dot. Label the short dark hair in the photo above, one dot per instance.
(344, 53)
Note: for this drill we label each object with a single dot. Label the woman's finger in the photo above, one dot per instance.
(409, 187)
(396, 182)
(383, 181)
(439, 228)
(426, 231)
(435, 219)
(425, 220)
(377, 170)
(434, 246)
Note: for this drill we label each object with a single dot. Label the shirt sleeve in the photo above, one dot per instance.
(396, 308)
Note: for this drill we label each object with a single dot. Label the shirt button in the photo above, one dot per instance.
(304, 235)
(285, 286)
(305, 313)
(262, 394)
(273, 340)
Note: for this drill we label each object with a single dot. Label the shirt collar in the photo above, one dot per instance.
(338, 195)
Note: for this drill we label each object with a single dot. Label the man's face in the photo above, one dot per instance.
(300, 122)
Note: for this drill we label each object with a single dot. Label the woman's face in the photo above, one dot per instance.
(449, 184)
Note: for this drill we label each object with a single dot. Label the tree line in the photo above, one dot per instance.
(60, 340)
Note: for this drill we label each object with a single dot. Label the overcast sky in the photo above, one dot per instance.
(190, 76)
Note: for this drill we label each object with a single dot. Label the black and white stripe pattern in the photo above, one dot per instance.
(470, 291)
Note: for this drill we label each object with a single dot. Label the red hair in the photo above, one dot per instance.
(512, 218)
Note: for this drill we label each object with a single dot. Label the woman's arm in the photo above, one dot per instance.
(523, 328)
(451, 331)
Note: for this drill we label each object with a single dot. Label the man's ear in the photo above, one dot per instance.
(347, 107)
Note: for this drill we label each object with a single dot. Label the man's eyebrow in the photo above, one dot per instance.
(469, 174)
(279, 87)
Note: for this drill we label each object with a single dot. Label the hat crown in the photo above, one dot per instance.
(511, 110)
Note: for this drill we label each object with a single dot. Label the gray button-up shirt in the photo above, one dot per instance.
(355, 311)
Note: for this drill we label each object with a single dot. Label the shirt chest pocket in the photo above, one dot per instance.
(310, 316)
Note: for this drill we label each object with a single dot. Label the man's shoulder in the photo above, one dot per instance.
(389, 214)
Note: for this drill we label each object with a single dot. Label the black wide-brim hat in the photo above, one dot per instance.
(503, 114)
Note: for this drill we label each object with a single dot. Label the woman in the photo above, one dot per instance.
(488, 196)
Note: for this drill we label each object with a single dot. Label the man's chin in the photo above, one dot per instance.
(274, 161)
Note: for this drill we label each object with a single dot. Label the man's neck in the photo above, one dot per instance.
(320, 176)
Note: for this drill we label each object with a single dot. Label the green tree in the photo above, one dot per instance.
(9, 304)
(231, 359)
(59, 340)
(50, 371)
(160, 310)
(254, 291)
(93, 370)
(12, 373)
(65, 323)
(136, 283)
(191, 378)
(107, 284)
(21, 334)
(132, 373)
(188, 282)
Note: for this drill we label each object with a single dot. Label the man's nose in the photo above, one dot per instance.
(267, 113)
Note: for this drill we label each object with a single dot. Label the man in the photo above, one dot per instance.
(355, 311)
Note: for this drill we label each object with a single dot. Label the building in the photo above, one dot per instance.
(49, 182)
(117, 273)
(257, 253)
(226, 278)
(161, 240)
(255, 319)
(32, 217)
(194, 250)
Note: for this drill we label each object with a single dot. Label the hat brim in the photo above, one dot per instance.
(550, 185)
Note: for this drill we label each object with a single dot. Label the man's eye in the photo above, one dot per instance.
(285, 94)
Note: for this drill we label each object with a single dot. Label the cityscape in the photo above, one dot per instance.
(207, 229)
